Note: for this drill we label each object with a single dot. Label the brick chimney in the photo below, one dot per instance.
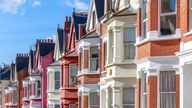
(67, 26)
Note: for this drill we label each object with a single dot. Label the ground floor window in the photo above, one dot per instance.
(167, 89)
(128, 97)
(94, 100)
(72, 106)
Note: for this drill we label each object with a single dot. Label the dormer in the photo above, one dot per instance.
(96, 11)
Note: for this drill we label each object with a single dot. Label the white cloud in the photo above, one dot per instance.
(12, 6)
(77, 4)
(36, 4)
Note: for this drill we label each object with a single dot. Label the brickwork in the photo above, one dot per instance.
(152, 92)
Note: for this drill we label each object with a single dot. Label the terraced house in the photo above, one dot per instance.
(89, 50)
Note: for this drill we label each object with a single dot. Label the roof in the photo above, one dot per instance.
(78, 19)
(21, 63)
(46, 48)
(60, 34)
(5, 75)
(99, 4)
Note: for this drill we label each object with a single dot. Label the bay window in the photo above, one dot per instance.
(94, 100)
(38, 88)
(129, 41)
(94, 58)
(57, 106)
(73, 74)
(128, 97)
(111, 46)
(167, 89)
(144, 90)
(144, 18)
(167, 17)
(57, 80)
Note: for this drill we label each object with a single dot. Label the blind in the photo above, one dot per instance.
(129, 34)
(128, 97)
(167, 84)
(94, 100)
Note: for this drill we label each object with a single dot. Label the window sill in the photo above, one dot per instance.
(160, 38)
(188, 33)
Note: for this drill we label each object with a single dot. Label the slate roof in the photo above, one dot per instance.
(78, 19)
(60, 33)
(46, 48)
(5, 74)
(31, 58)
(99, 4)
(21, 63)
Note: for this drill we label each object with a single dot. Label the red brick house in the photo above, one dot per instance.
(69, 63)
(89, 56)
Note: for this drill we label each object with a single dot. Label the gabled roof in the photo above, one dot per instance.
(60, 34)
(78, 19)
(5, 73)
(46, 48)
(99, 4)
(22, 61)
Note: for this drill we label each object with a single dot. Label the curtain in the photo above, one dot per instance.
(94, 100)
(167, 88)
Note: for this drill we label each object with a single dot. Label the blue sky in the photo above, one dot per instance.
(24, 21)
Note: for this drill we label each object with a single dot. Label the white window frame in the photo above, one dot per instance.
(70, 83)
(90, 58)
(111, 48)
(57, 80)
(38, 89)
(128, 43)
(164, 14)
(144, 20)
(123, 94)
(106, 55)
(143, 92)
(90, 100)
(159, 92)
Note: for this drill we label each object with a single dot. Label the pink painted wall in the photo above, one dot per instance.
(46, 60)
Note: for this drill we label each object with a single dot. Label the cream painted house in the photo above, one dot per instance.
(118, 81)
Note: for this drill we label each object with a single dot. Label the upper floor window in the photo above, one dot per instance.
(105, 55)
(167, 89)
(144, 89)
(129, 41)
(94, 58)
(57, 80)
(38, 88)
(111, 46)
(144, 18)
(94, 100)
(73, 74)
(128, 97)
(167, 17)
(14, 98)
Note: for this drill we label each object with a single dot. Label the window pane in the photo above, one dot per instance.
(145, 30)
(94, 99)
(167, 84)
(94, 52)
(129, 51)
(57, 75)
(72, 106)
(111, 46)
(168, 6)
(129, 35)
(57, 85)
(94, 64)
(168, 25)
(73, 73)
(93, 58)
(129, 96)
(57, 106)
(144, 9)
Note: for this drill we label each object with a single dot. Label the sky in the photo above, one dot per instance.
(24, 21)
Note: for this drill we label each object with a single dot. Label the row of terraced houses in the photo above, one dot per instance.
(120, 54)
